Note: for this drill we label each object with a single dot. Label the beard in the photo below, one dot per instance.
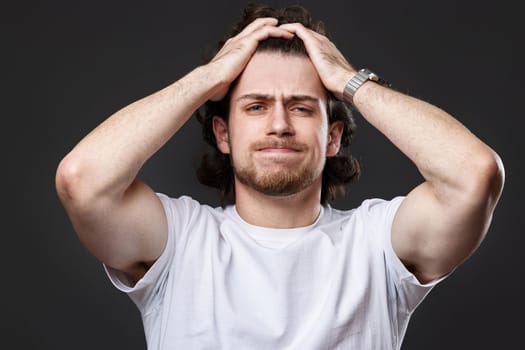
(281, 182)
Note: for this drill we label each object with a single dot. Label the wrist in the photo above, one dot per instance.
(213, 85)
(357, 81)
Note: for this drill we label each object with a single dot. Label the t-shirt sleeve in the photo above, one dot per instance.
(403, 285)
(148, 291)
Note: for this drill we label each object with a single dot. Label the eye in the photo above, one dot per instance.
(301, 110)
(255, 108)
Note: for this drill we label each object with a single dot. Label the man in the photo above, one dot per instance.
(279, 269)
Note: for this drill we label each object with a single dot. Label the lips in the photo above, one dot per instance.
(278, 150)
(282, 147)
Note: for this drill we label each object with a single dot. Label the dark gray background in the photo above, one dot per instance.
(69, 65)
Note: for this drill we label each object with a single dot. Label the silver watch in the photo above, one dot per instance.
(358, 80)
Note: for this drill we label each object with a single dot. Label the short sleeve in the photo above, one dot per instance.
(149, 290)
(404, 286)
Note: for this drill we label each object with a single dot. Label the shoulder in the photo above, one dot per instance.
(370, 208)
(185, 212)
(187, 205)
(379, 210)
(372, 219)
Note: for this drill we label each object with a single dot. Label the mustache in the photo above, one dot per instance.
(278, 143)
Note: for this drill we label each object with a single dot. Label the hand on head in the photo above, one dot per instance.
(237, 51)
(333, 69)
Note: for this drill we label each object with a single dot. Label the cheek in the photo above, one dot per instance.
(323, 146)
(238, 144)
(241, 135)
(320, 137)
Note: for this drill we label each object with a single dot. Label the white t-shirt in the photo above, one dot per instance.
(222, 283)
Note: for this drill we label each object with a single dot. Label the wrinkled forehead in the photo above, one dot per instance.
(279, 75)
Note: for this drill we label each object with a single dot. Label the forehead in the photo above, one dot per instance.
(279, 75)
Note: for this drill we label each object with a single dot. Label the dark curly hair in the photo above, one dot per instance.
(215, 169)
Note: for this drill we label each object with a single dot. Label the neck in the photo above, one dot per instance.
(295, 210)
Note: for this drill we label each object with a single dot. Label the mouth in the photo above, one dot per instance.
(278, 150)
(278, 147)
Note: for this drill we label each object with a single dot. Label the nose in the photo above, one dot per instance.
(279, 122)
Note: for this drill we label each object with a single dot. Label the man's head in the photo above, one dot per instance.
(287, 150)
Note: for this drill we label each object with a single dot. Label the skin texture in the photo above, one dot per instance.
(122, 222)
(277, 134)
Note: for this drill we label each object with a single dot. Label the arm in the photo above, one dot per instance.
(117, 217)
(443, 220)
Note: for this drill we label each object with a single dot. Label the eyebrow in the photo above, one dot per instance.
(264, 97)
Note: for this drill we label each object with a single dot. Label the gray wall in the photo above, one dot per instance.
(68, 65)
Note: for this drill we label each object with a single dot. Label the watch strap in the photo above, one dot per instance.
(358, 80)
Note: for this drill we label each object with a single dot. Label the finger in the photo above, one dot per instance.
(257, 24)
(250, 41)
(305, 34)
(273, 32)
(293, 27)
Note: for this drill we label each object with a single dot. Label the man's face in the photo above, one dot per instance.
(277, 129)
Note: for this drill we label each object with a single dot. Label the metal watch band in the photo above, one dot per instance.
(357, 81)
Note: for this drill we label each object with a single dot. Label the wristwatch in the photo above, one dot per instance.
(358, 80)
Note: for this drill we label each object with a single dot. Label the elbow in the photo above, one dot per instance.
(489, 177)
(69, 182)
(498, 174)
(64, 179)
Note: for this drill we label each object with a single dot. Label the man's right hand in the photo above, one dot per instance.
(231, 59)
(120, 219)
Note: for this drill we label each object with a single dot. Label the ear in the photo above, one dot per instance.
(335, 132)
(220, 129)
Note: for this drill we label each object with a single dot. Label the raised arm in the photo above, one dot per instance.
(117, 217)
(443, 220)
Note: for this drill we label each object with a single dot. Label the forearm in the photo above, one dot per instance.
(108, 159)
(447, 154)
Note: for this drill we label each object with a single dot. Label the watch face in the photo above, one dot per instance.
(373, 76)
(370, 75)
